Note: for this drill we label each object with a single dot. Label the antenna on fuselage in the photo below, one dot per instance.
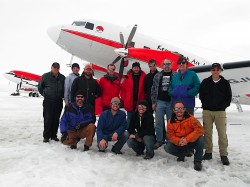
(70, 63)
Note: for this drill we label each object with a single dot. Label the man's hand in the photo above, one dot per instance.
(183, 141)
(132, 136)
(139, 139)
(114, 137)
(103, 144)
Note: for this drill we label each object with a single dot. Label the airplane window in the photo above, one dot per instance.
(79, 23)
(89, 26)
(145, 47)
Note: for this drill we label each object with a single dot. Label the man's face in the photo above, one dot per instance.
(215, 72)
(115, 106)
(179, 109)
(111, 70)
(136, 69)
(88, 71)
(142, 109)
(55, 71)
(75, 70)
(182, 66)
(152, 67)
(167, 65)
(79, 100)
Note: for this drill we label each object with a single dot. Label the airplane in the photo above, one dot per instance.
(102, 43)
(25, 81)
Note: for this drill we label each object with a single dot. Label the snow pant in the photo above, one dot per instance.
(51, 114)
(180, 151)
(87, 132)
(219, 118)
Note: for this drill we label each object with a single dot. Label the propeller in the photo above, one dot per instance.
(131, 35)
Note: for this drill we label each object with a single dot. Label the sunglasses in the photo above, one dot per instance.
(88, 69)
(79, 96)
(115, 103)
(112, 69)
(179, 108)
(142, 106)
(181, 62)
(151, 65)
(167, 64)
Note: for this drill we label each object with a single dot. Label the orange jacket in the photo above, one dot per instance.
(189, 128)
(127, 91)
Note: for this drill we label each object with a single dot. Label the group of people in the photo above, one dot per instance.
(168, 94)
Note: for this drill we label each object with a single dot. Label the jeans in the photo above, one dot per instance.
(121, 140)
(147, 142)
(162, 108)
(129, 115)
(180, 151)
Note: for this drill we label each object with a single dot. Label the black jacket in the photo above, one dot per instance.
(90, 87)
(148, 83)
(146, 127)
(51, 87)
(215, 96)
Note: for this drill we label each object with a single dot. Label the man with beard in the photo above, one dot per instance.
(87, 84)
(78, 121)
(110, 86)
(111, 127)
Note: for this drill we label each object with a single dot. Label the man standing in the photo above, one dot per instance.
(110, 86)
(132, 89)
(78, 121)
(148, 82)
(111, 127)
(161, 101)
(68, 82)
(184, 85)
(215, 96)
(87, 84)
(184, 133)
(51, 87)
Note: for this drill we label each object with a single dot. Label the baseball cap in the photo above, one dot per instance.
(56, 65)
(115, 100)
(75, 65)
(136, 64)
(216, 65)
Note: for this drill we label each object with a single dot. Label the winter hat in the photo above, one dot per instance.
(79, 92)
(216, 65)
(143, 102)
(75, 65)
(136, 64)
(115, 100)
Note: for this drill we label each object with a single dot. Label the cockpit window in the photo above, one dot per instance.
(79, 23)
(89, 26)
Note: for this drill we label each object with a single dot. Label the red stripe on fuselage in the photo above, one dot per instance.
(248, 95)
(95, 38)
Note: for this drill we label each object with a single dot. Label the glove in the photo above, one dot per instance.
(64, 137)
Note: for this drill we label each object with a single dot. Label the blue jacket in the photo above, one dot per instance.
(75, 118)
(184, 87)
(109, 124)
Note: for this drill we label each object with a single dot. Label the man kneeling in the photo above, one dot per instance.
(184, 132)
(111, 127)
(78, 121)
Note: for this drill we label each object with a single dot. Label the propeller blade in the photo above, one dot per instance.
(122, 39)
(131, 35)
(121, 69)
(116, 60)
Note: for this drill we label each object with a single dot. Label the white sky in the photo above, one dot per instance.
(215, 30)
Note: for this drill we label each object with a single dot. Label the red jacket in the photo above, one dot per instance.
(127, 91)
(109, 90)
(189, 128)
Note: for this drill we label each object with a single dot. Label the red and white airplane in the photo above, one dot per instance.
(102, 43)
(25, 81)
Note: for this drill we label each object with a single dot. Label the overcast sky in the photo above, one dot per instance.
(217, 30)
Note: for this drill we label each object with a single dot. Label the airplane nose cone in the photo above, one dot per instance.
(54, 33)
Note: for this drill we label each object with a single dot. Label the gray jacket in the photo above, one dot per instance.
(67, 86)
(155, 87)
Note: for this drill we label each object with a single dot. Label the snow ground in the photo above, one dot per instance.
(26, 161)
